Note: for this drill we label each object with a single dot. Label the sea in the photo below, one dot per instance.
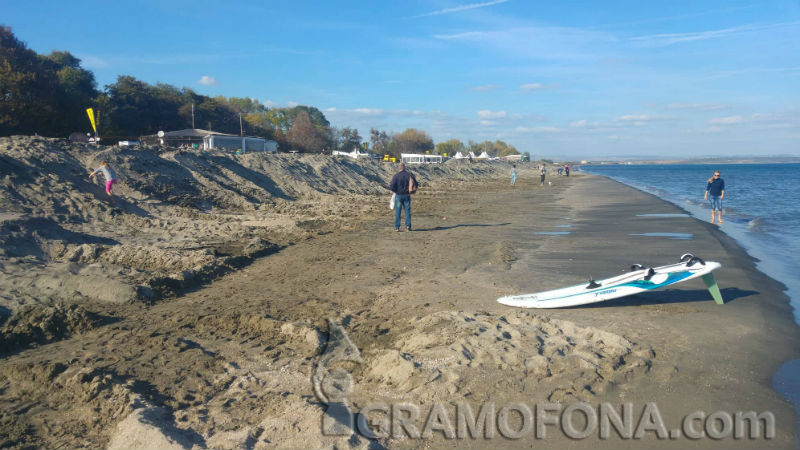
(761, 211)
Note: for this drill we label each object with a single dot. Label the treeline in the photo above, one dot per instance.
(48, 95)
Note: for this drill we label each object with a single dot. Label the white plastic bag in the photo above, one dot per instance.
(391, 202)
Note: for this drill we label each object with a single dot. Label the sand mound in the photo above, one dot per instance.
(451, 353)
(42, 324)
(82, 404)
(180, 218)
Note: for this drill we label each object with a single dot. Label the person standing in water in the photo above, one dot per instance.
(513, 174)
(715, 187)
(108, 173)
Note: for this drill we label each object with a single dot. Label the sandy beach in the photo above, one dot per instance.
(200, 309)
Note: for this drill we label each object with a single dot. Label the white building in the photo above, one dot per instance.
(416, 158)
(243, 143)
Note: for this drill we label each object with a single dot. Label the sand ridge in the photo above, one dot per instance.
(232, 362)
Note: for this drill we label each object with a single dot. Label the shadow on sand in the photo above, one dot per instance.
(672, 296)
(463, 225)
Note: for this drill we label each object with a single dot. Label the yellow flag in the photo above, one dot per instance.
(90, 112)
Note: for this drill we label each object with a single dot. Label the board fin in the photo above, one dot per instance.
(593, 284)
(711, 284)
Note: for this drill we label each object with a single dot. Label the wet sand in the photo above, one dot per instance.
(230, 364)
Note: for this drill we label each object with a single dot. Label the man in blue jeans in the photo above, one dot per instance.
(403, 185)
(716, 187)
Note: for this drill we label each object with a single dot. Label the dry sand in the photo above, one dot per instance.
(198, 309)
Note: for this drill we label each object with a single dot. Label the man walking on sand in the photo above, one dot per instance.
(403, 185)
(513, 174)
(110, 176)
(543, 173)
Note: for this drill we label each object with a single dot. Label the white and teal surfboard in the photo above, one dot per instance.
(639, 279)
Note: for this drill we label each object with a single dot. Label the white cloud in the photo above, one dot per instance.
(486, 114)
(726, 120)
(488, 123)
(538, 130)
(542, 42)
(578, 124)
(696, 106)
(330, 109)
(488, 87)
(292, 104)
(368, 111)
(615, 137)
(461, 8)
(632, 118)
(206, 80)
(667, 39)
(532, 87)
(269, 104)
(713, 129)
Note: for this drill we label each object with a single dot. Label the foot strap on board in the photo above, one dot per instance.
(711, 284)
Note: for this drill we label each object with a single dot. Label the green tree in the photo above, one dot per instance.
(28, 91)
(474, 147)
(347, 139)
(380, 141)
(450, 147)
(411, 140)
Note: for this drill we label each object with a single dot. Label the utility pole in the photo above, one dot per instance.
(241, 130)
(192, 115)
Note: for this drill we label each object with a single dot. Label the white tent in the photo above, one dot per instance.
(484, 155)
(458, 155)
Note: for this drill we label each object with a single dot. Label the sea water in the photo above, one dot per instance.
(761, 207)
(761, 211)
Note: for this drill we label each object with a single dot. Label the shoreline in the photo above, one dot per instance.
(230, 362)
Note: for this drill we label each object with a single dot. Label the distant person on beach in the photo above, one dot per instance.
(560, 171)
(543, 172)
(403, 185)
(513, 174)
(469, 156)
(715, 187)
(566, 169)
(108, 174)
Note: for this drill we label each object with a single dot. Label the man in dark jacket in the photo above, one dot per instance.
(401, 182)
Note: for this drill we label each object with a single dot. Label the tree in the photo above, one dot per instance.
(304, 136)
(450, 147)
(28, 92)
(380, 141)
(347, 139)
(474, 147)
(412, 141)
(504, 149)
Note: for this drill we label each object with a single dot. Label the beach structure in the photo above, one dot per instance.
(484, 155)
(416, 158)
(199, 138)
(355, 154)
(458, 155)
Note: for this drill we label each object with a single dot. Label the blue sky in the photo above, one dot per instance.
(565, 79)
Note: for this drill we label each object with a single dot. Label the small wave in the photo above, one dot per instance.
(757, 225)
